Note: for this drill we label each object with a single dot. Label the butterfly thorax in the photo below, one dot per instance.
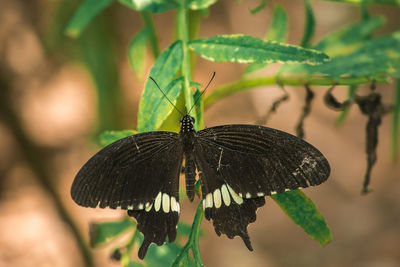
(187, 122)
(187, 133)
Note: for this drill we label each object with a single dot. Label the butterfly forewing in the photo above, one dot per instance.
(130, 172)
(257, 161)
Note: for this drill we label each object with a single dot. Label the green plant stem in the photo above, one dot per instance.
(248, 84)
(364, 11)
(193, 241)
(149, 23)
(194, 28)
(195, 234)
(183, 33)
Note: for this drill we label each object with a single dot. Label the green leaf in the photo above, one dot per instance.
(137, 52)
(183, 258)
(184, 229)
(260, 7)
(162, 255)
(102, 233)
(349, 38)
(309, 25)
(163, 108)
(153, 6)
(247, 49)
(304, 213)
(378, 59)
(153, 108)
(277, 31)
(395, 121)
(133, 264)
(200, 4)
(171, 122)
(199, 106)
(84, 15)
(388, 2)
(149, 24)
(109, 137)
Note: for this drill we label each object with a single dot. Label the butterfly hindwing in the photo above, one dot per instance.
(233, 220)
(257, 161)
(157, 221)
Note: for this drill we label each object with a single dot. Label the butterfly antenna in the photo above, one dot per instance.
(165, 95)
(202, 93)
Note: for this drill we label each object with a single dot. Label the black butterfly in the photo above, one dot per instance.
(237, 164)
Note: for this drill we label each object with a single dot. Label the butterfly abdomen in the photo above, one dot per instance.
(190, 175)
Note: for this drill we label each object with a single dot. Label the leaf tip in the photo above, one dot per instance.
(326, 240)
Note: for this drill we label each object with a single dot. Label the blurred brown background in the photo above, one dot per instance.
(51, 113)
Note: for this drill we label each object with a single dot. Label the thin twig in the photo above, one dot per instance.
(306, 111)
(277, 102)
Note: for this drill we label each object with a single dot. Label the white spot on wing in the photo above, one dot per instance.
(238, 199)
(148, 206)
(225, 195)
(173, 204)
(217, 198)
(209, 200)
(165, 203)
(157, 202)
(248, 195)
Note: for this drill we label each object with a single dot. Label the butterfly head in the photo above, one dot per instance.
(187, 122)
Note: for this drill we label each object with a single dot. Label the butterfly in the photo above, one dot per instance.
(238, 165)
